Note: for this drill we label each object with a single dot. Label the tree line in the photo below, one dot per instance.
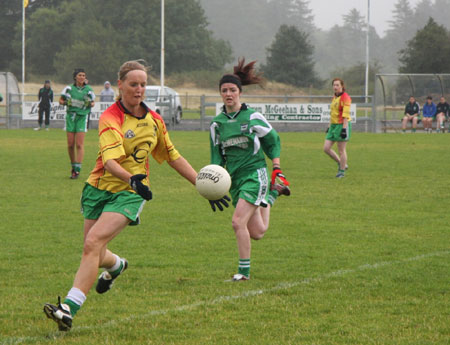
(206, 36)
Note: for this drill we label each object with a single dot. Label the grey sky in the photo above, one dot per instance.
(328, 13)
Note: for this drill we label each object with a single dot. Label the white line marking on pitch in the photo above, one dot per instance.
(221, 299)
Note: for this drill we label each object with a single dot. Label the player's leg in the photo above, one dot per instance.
(259, 222)
(98, 234)
(327, 148)
(79, 147)
(40, 115)
(71, 148)
(47, 118)
(414, 123)
(342, 148)
(242, 214)
(404, 123)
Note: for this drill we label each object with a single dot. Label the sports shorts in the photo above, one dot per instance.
(95, 201)
(252, 186)
(76, 123)
(334, 132)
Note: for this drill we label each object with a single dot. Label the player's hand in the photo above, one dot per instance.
(219, 203)
(327, 130)
(344, 133)
(139, 187)
(277, 173)
(68, 102)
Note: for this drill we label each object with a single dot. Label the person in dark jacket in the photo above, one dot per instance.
(442, 112)
(45, 97)
(412, 111)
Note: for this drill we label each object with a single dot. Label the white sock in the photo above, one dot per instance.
(77, 296)
(116, 266)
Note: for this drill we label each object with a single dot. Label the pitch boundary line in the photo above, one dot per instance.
(221, 299)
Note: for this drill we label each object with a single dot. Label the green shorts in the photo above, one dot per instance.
(253, 186)
(95, 201)
(76, 123)
(334, 132)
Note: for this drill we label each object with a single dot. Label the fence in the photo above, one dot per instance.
(197, 111)
(392, 92)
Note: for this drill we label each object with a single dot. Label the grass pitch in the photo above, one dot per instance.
(361, 260)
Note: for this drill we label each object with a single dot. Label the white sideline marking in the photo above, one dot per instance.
(221, 299)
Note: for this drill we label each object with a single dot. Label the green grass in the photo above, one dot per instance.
(361, 260)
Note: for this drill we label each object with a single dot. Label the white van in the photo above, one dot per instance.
(172, 111)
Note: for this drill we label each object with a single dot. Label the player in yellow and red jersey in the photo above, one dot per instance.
(340, 128)
(118, 187)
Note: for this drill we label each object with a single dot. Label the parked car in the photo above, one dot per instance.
(172, 111)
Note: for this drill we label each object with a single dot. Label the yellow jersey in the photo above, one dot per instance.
(129, 140)
(340, 108)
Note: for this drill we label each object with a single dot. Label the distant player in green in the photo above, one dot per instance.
(79, 99)
(240, 139)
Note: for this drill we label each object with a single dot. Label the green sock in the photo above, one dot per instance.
(76, 167)
(414, 130)
(403, 130)
(73, 306)
(116, 272)
(273, 195)
(244, 267)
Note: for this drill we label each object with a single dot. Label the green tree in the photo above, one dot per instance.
(290, 58)
(427, 51)
(355, 77)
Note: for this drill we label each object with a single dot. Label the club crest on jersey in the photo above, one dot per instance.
(244, 127)
(129, 134)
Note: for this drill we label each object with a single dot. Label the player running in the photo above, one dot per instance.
(240, 137)
(79, 99)
(118, 187)
(340, 128)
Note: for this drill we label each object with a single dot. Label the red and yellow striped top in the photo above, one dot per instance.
(129, 140)
(340, 108)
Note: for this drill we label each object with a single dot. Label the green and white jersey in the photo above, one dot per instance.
(79, 99)
(239, 140)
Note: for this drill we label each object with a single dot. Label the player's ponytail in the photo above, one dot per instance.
(243, 74)
(128, 67)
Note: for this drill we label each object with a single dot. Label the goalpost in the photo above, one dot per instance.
(392, 92)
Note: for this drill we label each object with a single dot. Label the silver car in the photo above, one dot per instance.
(168, 104)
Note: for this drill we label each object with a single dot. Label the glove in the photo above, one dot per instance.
(87, 103)
(327, 130)
(277, 173)
(139, 187)
(68, 101)
(344, 133)
(219, 203)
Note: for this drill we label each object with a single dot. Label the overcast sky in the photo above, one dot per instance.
(328, 13)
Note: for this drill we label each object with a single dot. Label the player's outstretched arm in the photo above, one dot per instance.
(182, 166)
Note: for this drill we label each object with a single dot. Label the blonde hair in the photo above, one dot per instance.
(129, 66)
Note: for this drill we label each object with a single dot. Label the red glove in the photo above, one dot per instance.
(277, 173)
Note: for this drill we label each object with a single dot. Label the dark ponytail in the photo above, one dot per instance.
(244, 74)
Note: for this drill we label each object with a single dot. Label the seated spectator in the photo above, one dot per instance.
(442, 113)
(107, 94)
(412, 111)
(428, 112)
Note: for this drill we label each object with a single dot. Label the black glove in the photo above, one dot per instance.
(344, 133)
(219, 203)
(327, 130)
(139, 187)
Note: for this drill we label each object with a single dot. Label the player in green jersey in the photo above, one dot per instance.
(240, 139)
(78, 99)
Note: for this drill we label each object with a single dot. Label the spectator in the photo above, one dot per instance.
(107, 94)
(442, 112)
(429, 112)
(412, 111)
(45, 97)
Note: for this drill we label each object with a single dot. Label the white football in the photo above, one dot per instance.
(213, 182)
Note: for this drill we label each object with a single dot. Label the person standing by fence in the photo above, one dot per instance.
(107, 94)
(45, 97)
(79, 99)
(340, 128)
